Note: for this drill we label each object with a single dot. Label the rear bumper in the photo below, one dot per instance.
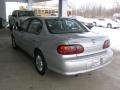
(83, 65)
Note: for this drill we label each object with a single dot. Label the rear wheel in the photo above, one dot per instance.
(40, 63)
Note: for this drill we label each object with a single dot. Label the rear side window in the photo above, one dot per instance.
(60, 26)
(35, 26)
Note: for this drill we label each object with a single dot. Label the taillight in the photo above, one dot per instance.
(70, 49)
(106, 44)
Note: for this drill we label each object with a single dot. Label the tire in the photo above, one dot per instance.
(109, 26)
(40, 63)
(11, 27)
(14, 43)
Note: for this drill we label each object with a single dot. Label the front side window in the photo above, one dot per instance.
(35, 26)
(59, 26)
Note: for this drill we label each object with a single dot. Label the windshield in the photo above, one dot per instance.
(26, 13)
(60, 26)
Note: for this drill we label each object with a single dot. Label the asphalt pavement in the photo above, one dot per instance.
(17, 72)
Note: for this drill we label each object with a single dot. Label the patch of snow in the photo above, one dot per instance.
(113, 34)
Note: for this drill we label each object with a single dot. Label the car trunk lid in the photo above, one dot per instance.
(92, 42)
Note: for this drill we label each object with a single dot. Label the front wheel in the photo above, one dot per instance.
(109, 26)
(40, 63)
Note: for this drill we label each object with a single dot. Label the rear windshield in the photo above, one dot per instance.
(60, 26)
(26, 13)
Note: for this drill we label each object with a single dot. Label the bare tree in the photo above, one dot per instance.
(89, 10)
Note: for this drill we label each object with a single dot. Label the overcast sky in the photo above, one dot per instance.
(79, 3)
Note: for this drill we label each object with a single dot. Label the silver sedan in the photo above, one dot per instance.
(63, 45)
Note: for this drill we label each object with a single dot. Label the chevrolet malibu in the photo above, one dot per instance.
(62, 45)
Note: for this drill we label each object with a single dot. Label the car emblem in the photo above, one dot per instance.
(93, 41)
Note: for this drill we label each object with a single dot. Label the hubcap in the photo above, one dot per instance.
(39, 63)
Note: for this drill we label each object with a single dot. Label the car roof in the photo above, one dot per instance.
(40, 17)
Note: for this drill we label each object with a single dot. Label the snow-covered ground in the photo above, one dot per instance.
(113, 34)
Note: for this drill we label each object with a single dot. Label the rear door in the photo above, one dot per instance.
(32, 36)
